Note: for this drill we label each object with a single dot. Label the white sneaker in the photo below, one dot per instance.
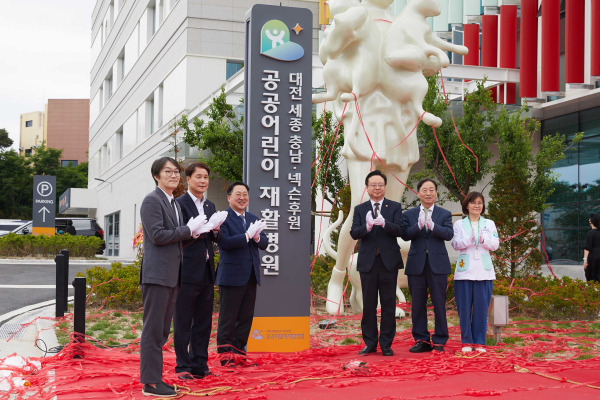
(481, 350)
(467, 349)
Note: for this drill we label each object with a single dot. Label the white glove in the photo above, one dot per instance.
(473, 236)
(206, 227)
(217, 219)
(195, 222)
(370, 221)
(252, 229)
(379, 221)
(429, 223)
(260, 226)
(421, 220)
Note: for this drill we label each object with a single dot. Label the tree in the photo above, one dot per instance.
(222, 136)
(5, 140)
(476, 130)
(17, 184)
(521, 185)
(329, 176)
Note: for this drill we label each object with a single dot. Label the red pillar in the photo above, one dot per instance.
(508, 49)
(528, 50)
(574, 40)
(595, 71)
(471, 41)
(551, 46)
(489, 45)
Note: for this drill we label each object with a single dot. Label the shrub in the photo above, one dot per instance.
(117, 287)
(13, 245)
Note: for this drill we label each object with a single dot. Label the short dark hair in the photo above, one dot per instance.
(375, 173)
(234, 184)
(158, 164)
(69, 222)
(595, 220)
(469, 198)
(189, 170)
(423, 181)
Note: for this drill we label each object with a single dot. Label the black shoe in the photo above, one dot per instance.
(420, 347)
(186, 376)
(200, 374)
(175, 388)
(438, 347)
(160, 390)
(387, 352)
(367, 350)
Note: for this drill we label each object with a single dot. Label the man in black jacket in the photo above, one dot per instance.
(377, 223)
(192, 321)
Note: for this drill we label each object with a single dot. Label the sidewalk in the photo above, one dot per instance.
(15, 337)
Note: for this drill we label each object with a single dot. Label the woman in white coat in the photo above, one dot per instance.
(474, 237)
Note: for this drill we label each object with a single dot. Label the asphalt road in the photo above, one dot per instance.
(13, 298)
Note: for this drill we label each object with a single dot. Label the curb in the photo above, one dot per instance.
(18, 261)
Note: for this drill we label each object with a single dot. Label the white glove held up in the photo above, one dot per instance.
(370, 221)
(421, 220)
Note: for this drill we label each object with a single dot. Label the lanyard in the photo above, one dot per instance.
(478, 230)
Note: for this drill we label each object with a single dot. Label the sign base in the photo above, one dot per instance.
(279, 334)
(39, 230)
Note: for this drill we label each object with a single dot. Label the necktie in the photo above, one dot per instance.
(376, 210)
(426, 215)
(243, 221)
(175, 212)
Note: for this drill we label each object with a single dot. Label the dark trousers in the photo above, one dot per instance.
(418, 285)
(472, 302)
(159, 302)
(235, 316)
(192, 324)
(378, 283)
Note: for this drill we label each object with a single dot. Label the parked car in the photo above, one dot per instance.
(8, 225)
(83, 227)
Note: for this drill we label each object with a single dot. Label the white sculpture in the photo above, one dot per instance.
(377, 60)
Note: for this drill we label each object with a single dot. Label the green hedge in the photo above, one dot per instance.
(13, 245)
(117, 287)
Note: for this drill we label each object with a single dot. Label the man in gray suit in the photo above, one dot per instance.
(160, 273)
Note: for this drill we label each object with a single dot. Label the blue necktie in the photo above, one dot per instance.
(243, 221)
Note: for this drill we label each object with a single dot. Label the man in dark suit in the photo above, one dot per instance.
(377, 223)
(427, 266)
(160, 273)
(192, 321)
(238, 273)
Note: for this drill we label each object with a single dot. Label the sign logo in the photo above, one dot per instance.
(256, 334)
(44, 189)
(275, 41)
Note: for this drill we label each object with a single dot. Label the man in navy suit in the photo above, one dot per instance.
(238, 273)
(377, 223)
(192, 321)
(427, 266)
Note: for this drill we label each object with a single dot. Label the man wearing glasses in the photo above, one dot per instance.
(238, 274)
(377, 223)
(160, 273)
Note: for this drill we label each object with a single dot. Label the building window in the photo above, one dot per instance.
(577, 191)
(68, 163)
(28, 124)
(119, 142)
(111, 224)
(28, 152)
(232, 67)
(149, 115)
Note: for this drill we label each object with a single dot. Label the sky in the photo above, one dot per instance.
(44, 54)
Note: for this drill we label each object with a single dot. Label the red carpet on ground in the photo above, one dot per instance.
(327, 372)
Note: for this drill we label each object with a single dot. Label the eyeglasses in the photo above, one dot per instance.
(240, 195)
(376, 185)
(170, 173)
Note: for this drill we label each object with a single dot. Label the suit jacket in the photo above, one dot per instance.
(424, 242)
(163, 250)
(237, 256)
(380, 238)
(194, 254)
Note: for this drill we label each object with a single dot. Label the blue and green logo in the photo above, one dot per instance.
(275, 41)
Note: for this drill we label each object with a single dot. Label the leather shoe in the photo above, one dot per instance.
(186, 376)
(420, 347)
(438, 347)
(387, 352)
(367, 350)
(200, 374)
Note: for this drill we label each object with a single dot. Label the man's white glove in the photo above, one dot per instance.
(260, 226)
(206, 227)
(196, 222)
(429, 223)
(217, 219)
(370, 221)
(252, 229)
(380, 221)
(421, 220)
